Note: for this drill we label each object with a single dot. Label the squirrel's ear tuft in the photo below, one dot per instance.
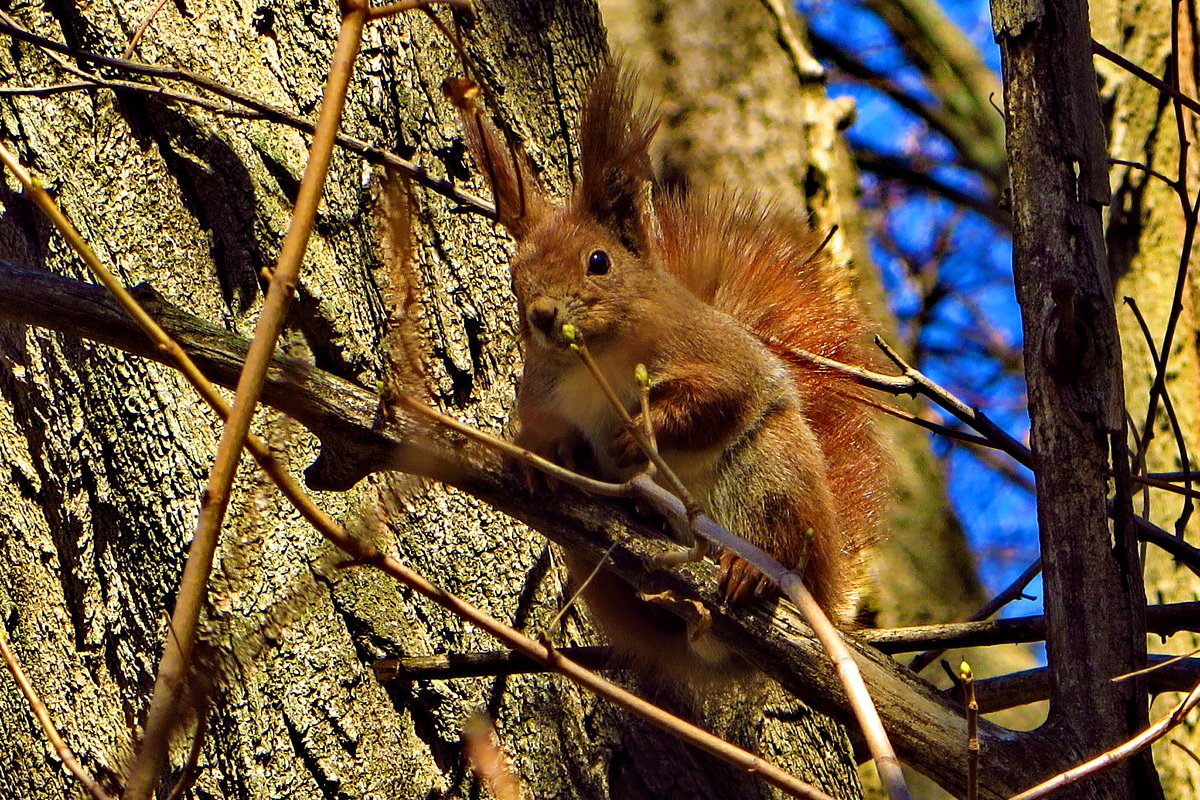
(614, 142)
(520, 203)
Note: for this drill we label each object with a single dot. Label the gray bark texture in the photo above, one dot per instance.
(105, 454)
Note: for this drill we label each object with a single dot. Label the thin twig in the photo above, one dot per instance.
(552, 625)
(639, 434)
(1138, 165)
(43, 717)
(44, 91)
(968, 687)
(1172, 418)
(1155, 667)
(972, 416)
(491, 765)
(188, 774)
(489, 663)
(1191, 217)
(582, 482)
(1118, 754)
(1162, 620)
(934, 427)
(1188, 751)
(1010, 593)
(1143, 75)
(391, 9)
(137, 35)
(1166, 486)
(1148, 532)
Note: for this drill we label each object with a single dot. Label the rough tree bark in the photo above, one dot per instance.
(105, 455)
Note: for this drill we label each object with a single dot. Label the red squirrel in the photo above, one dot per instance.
(714, 294)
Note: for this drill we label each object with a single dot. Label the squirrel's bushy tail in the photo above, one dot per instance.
(765, 269)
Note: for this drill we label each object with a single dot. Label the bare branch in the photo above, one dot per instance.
(43, 717)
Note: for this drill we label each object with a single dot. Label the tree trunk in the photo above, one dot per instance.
(107, 454)
(1094, 600)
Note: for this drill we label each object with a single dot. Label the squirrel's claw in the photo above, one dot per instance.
(739, 581)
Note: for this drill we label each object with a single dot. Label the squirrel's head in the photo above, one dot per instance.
(592, 261)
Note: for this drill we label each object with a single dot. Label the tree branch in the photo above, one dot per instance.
(357, 439)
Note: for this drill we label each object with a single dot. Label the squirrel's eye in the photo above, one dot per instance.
(598, 263)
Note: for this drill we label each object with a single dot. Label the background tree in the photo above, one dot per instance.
(1150, 234)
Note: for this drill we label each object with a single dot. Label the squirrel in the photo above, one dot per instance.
(714, 294)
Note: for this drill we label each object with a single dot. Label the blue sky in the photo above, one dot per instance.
(979, 307)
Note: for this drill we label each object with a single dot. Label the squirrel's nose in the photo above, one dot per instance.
(543, 315)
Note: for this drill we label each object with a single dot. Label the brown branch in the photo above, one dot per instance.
(1010, 593)
(42, 714)
(1160, 367)
(1147, 77)
(391, 9)
(357, 440)
(137, 35)
(971, 416)
(425, 464)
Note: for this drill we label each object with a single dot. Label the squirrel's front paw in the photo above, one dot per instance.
(740, 583)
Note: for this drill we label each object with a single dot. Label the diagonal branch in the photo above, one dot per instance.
(357, 440)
